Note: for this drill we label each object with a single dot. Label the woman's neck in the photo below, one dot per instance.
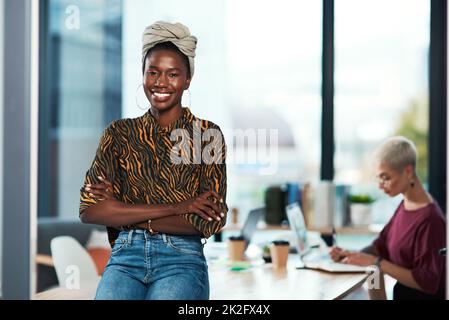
(416, 197)
(165, 117)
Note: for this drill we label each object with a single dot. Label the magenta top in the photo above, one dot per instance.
(412, 239)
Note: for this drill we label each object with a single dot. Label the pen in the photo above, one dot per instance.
(334, 243)
(334, 237)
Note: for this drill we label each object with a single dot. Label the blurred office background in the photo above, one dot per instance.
(335, 78)
(253, 71)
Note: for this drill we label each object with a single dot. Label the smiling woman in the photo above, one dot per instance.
(152, 205)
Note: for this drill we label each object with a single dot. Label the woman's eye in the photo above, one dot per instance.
(151, 73)
(173, 75)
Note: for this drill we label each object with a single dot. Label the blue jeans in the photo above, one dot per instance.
(154, 267)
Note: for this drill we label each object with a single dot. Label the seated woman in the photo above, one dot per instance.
(408, 247)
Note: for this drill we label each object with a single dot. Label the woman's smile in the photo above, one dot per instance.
(161, 96)
(165, 79)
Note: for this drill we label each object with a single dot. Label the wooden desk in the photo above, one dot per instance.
(256, 283)
(44, 259)
(265, 282)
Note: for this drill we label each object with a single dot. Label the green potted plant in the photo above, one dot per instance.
(360, 208)
(266, 255)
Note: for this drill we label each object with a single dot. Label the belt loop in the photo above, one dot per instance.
(164, 238)
(130, 236)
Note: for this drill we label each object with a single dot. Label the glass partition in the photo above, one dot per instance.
(80, 94)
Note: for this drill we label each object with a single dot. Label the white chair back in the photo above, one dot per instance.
(75, 268)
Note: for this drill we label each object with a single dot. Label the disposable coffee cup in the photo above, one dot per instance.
(279, 253)
(236, 248)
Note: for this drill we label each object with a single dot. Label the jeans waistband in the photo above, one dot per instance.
(159, 236)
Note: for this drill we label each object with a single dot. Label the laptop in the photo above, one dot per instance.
(308, 257)
(250, 225)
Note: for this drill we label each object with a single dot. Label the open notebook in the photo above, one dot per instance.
(322, 261)
(308, 257)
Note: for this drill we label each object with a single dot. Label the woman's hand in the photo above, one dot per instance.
(360, 259)
(202, 206)
(337, 253)
(101, 191)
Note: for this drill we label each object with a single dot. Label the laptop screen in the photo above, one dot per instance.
(298, 226)
(250, 225)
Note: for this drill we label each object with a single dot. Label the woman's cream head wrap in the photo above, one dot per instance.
(176, 33)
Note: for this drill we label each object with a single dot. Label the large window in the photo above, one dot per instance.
(80, 94)
(258, 67)
(381, 82)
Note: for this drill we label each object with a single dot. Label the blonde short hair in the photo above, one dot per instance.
(397, 153)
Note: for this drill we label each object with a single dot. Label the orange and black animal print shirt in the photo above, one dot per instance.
(147, 163)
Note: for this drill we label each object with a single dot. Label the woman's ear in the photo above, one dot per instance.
(187, 85)
(409, 171)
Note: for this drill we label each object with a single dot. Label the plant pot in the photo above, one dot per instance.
(267, 258)
(266, 255)
(360, 214)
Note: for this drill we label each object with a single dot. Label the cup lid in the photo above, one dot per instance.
(280, 242)
(236, 238)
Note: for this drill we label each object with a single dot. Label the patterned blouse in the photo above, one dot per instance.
(147, 163)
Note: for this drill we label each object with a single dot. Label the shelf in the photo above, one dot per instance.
(372, 229)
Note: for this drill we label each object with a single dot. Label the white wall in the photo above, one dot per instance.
(1, 141)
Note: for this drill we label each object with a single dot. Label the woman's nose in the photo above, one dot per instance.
(161, 81)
